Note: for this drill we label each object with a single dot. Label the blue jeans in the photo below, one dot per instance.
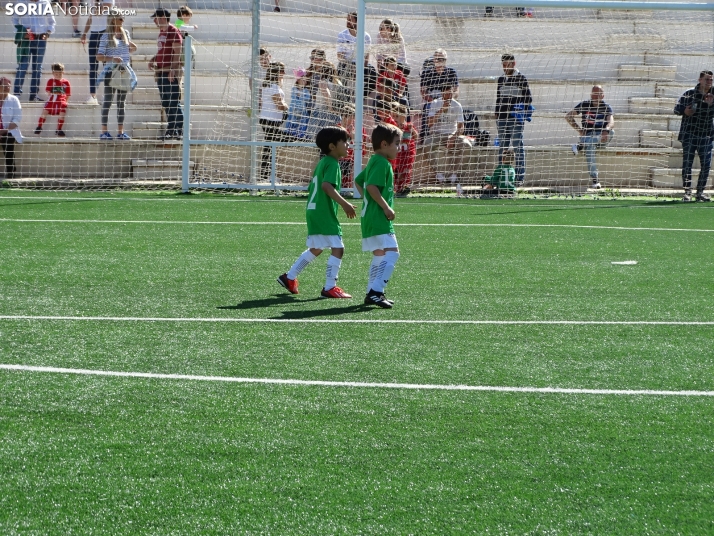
(170, 93)
(510, 132)
(36, 55)
(592, 142)
(703, 146)
(94, 38)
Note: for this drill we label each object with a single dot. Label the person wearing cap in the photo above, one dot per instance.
(31, 36)
(166, 65)
(10, 117)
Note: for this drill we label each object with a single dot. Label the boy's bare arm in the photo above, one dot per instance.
(360, 190)
(377, 196)
(330, 190)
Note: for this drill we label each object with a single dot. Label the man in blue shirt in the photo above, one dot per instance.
(595, 129)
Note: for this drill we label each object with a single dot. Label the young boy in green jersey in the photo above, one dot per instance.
(376, 186)
(323, 229)
(503, 181)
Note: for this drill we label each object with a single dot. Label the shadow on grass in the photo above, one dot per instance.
(281, 300)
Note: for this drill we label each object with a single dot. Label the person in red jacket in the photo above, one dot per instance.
(407, 152)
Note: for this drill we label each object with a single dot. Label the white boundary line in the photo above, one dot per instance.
(409, 386)
(361, 321)
(535, 225)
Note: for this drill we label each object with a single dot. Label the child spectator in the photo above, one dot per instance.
(407, 152)
(115, 48)
(299, 110)
(503, 181)
(384, 110)
(376, 186)
(183, 18)
(58, 91)
(347, 164)
(323, 228)
(391, 72)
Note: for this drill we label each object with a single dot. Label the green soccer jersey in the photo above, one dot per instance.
(379, 173)
(503, 178)
(321, 213)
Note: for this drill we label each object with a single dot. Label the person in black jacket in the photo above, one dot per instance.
(696, 106)
(513, 98)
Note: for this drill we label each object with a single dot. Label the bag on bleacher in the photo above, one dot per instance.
(481, 138)
(120, 78)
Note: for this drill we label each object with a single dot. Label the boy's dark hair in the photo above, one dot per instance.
(510, 154)
(704, 73)
(507, 57)
(329, 135)
(57, 67)
(383, 132)
(184, 11)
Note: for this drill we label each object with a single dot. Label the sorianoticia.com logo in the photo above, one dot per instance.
(45, 8)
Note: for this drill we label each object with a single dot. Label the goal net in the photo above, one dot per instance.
(250, 118)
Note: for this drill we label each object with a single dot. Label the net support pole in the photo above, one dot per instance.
(359, 89)
(186, 153)
(255, 90)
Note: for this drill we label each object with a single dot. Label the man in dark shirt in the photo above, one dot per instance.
(434, 78)
(513, 99)
(696, 106)
(595, 129)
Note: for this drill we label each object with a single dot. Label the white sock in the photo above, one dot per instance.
(333, 268)
(303, 260)
(376, 269)
(390, 259)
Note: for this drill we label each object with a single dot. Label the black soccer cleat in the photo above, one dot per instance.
(377, 298)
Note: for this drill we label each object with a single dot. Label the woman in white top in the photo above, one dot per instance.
(272, 111)
(390, 42)
(10, 117)
(115, 47)
(325, 112)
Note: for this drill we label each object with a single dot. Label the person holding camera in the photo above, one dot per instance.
(696, 106)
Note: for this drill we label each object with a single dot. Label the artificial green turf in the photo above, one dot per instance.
(108, 455)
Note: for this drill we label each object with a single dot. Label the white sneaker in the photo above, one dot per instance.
(92, 100)
(596, 185)
(574, 147)
(453, 178)
(440, 177)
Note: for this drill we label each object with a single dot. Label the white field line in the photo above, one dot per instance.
(360, 321)
(369, 385)
(534, 225)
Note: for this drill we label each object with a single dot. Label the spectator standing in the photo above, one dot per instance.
(32, 33)
(96, 25)
(58, 91)
(271, 113)
(595, 129)
(434, 78)
(115, 47)
(75, 16)
(325, 110)
(446, 127)
(346, 49)
(166, 65)
(10, 118)
(696, 106)
(512, 93)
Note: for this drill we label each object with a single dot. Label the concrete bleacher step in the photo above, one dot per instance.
(652, 105)
(150, 130)
(146, 95)
(144, 30)
(671, 178)
(659, 138)
(648, 72)
(150, 169)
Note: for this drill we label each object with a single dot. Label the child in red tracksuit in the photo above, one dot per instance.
(407, 152)
(347, 164)
(59, 91)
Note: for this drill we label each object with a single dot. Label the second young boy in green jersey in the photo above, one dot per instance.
(323, 229)
(376, 186)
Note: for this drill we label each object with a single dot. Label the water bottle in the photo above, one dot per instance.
(496, 143)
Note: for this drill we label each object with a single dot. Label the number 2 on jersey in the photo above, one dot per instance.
(311, 203)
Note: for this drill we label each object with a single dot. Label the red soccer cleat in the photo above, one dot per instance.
(334, 292)
(290, 284)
